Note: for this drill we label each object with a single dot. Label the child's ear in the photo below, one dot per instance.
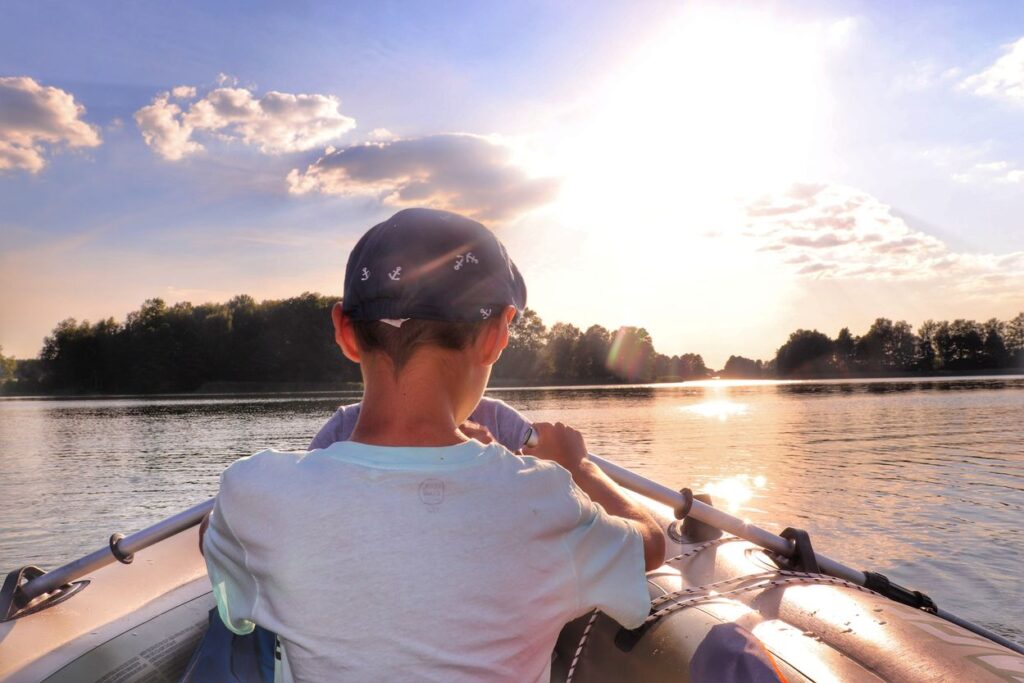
(494, 337)
(344, 335)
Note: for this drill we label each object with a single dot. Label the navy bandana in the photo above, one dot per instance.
(430, 265)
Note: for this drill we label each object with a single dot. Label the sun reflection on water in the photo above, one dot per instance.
(732, 493)
(721, 409)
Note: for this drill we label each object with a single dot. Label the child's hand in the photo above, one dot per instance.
(559, 443)
(476, 431)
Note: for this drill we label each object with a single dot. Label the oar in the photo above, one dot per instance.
(122, 548)
(712, 516)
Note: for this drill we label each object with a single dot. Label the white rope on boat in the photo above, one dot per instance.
(762, 582)
(710, 587)
(579, 648)
(703, 546)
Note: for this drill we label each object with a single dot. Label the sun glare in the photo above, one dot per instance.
(723, 410)
(717, 103)
(734, 492)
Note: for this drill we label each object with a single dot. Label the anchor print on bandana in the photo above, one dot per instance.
(460, 260)
(366, 274)
(485, 312)
(396, 274)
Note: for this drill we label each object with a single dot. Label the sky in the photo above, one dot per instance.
(718, 173)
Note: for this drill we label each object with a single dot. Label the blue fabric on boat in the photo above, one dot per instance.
(732, 654)
(223, 657)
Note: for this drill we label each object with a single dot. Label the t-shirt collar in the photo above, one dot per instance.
(408, 457)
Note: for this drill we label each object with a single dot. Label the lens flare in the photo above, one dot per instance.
(631, 354)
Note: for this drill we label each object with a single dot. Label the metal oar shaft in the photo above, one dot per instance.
(128, 545)
(720, 519)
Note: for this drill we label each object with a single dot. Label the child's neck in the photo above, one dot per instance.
(415, 408)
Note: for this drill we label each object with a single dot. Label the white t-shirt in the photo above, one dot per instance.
(438, 564)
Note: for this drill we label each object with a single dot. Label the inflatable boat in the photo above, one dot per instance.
(136, 610)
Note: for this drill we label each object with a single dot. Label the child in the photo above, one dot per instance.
(410, 552)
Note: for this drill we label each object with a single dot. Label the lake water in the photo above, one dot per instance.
(921, 479)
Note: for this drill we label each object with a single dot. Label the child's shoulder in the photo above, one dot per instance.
(264, 465)
(535, 473)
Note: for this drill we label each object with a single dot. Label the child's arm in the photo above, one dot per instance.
(565, 446)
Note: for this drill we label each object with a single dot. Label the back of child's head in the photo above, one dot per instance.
(427, 278)
(399, 344)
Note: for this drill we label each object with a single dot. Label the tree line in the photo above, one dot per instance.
(893, 348)
(289, 343)
(245, 344)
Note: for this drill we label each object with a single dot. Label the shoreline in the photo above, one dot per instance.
(307, 389)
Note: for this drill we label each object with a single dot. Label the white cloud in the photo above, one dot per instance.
(274, 123)
(461, 172)
(920, 76)
(381, 134)
(14, 157)
(837, 232)
(1004, 78)
(164, 129)
(972, 165)
(994, 172)
(35, 120)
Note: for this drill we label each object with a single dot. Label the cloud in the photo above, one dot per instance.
(382, 134)
(920, 76)
(838, 232)
(995, 172)
(164, 129)
(972, 165)
(460, 172)
(1004, 78)
(35, 120)
(275, 123)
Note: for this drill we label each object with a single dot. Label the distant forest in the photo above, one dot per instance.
(243, 344)
(890, 349)
(249, 345)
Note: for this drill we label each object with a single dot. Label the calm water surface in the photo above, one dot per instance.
(921, 479)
